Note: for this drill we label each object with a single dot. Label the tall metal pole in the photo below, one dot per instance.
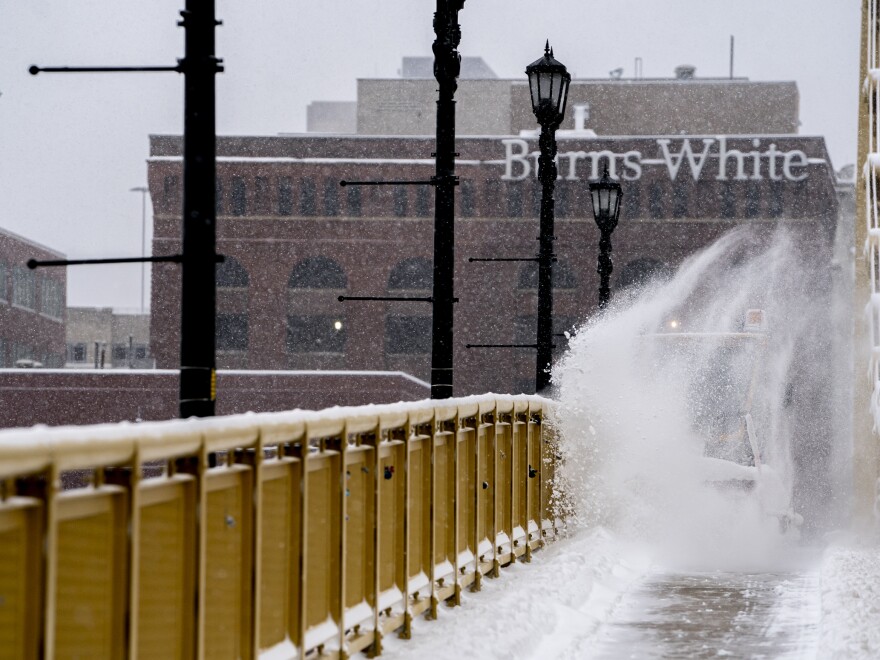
(605, 267)
(547, 175)
(447, 66)
(143, 190)
(198, 296)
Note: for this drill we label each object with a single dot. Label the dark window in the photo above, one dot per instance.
(679, 201)
(423, 201)
(285, 196)
(560, 196)
(232, 332)
(655, 201)
(563, 277)
(77, 352)
(316, 334)
(728, 201)
(408, 334)
(262, 201)
(140, 352)
(632, 201)
(171, 190)
(753, 200)
(218, 197)
(239, 196)
(307, 201)
(537, 192)
(317, 273)
(4, 285)
(468, 198)
(231, 273)
(514, 199)
(415, 273)
(331, 197)
(639, 272)
(776, 207)
(119, 353)
(353, 199)
(399, 200)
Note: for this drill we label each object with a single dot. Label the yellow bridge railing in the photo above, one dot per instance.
(300, 533)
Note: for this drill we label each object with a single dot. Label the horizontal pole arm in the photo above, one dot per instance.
(501, 345)
(389, 298)
(34, 70)
(472, 259)
(173, 258)
(387, 183)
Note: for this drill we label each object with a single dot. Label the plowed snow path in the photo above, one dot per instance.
(708, 615)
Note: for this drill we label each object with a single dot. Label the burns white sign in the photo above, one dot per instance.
(699, 157)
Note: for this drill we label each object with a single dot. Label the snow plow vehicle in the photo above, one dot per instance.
(727, 409)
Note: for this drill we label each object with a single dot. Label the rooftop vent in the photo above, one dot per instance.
(685, 72)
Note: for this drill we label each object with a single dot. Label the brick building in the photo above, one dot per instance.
(295, 240)
(32, 305)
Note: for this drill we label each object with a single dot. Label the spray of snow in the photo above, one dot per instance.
(637, 407)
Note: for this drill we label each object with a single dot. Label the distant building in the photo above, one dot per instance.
(32, 305)
(101, 338)
(331, 117)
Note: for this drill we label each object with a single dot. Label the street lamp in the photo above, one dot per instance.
(548, 83)
(606, 195)
(144, 191)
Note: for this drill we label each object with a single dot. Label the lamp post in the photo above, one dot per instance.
(548, 83)
(606, 195)
(143, 190)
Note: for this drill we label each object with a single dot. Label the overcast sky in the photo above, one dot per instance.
(71, 146)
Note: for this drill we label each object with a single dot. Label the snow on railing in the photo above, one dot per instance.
(871, 247)
(281, 534)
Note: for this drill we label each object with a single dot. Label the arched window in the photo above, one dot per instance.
(641, 271)
(317, 273)
(414, 273)
(563, 276)
(230, 273)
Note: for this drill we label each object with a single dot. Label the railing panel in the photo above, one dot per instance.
(467, 498)
(486, 492)
(166, 575)
(520, 461)
(535, 478)
(90, 573)
(20, 551)
(503, 474)
(359, 527)
(279, 549)
(323, 538)
(419, 505)
(228, 559)
(444, 504)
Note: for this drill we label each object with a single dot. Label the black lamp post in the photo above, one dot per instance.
(606, 195)
(548, 82)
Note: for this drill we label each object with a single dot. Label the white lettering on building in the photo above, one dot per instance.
(674, 154)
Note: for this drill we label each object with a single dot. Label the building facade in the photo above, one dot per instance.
(295, 240)
(101, 338)
(32, 305)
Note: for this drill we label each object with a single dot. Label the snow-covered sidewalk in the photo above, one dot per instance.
(534, 610)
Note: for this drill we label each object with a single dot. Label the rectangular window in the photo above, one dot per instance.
(120, 353)
(171, 190)
(23, 287)
(408, 334)
(491, 202)
(4, 284)
(423, 201)
(140, 351)
(218, 197)
(728, 201)
(561, 197)
(514, 199)
(400, 201)
(307, 201)
(262, 201)
(3, 362)
(232, 332)
(316, 334)
(353, 199)
(655, 201)
(239, 196)
(331, 197)
(679, 202)
(76, 352)
(285, 196)
(51, 298)
(777, 200)
(753, 200)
